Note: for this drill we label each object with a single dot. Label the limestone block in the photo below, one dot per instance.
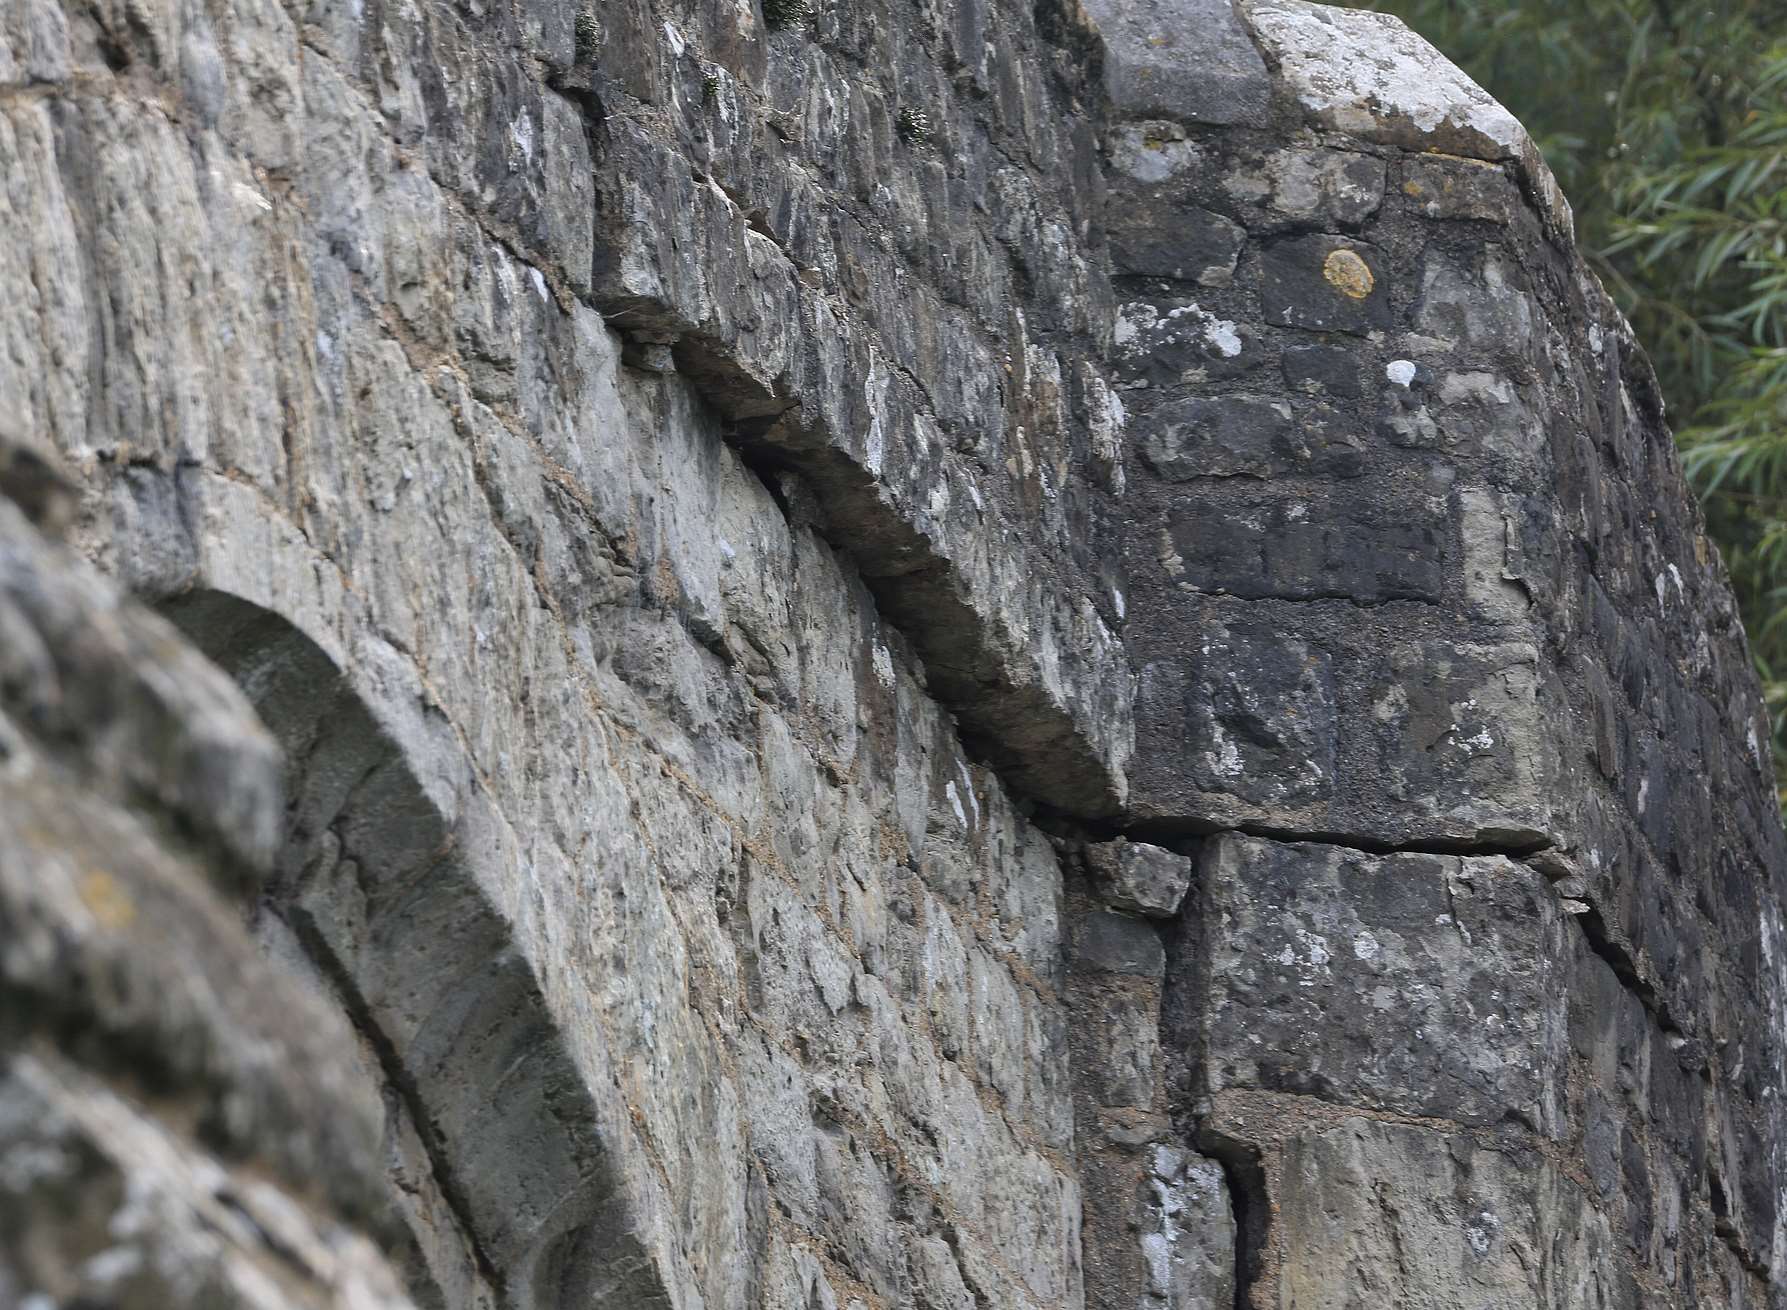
(1190, 59)
(1219, 437)
(1118, 943)
(1188, 1233)
(1366, 544)
(1326, 283)
(1326, 371)
(1320, 946)
(1251, 714)
(1325, 187)
(1166, 340)
(1184, 244)
(111, 685)
(1474, 1225)
(1455, 187)
(1139, 877)
(1404, 92)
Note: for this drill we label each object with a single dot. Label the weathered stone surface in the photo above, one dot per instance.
(1169, 340)
(1403, 92)
(1443, 186)
(105, 1205)
(1420, 984)
(1325, 370)
(181, 1120)
(1346, 544)
(1219, 438)
(1138, 877)
(1195, 245)
(752, 537)
(1118, 943)
(1324, 282)
(1188, 1233)
(1325, 187)
(1187, 59)
(1422, 1219)
(99, 678)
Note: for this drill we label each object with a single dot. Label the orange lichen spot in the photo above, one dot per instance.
(1348, 274)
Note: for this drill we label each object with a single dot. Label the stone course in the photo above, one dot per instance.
(852, 657)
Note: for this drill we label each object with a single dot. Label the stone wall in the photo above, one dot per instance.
(850, 656)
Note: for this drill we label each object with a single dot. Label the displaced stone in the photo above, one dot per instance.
(1138, 877)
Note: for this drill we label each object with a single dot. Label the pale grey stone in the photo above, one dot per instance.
(1186, 59)
(1188, 1232)
(1138, 877)
(1366, 74)
(699, 537)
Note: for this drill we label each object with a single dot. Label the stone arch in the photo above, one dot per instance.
(494, 1142)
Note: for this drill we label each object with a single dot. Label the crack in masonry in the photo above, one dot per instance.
(1619, 962)
(1726, 1230)
(1322, 597)
(1173, 832)
(1604, 948)
(1241, 1163)
(1609, 951)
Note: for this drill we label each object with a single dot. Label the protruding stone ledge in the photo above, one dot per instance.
(1013, 617)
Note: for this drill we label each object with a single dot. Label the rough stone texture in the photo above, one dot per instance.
(1421, 984)
(181, 1122)
(1181, 59)
(1138, 877)
(985, 655)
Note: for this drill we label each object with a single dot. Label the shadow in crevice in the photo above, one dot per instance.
(496, 1150)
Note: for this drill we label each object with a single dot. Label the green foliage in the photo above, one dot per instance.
(1666, 123)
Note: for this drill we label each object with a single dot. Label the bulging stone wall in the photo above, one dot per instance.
(858, 656)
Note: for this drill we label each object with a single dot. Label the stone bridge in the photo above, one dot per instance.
(850, 655)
